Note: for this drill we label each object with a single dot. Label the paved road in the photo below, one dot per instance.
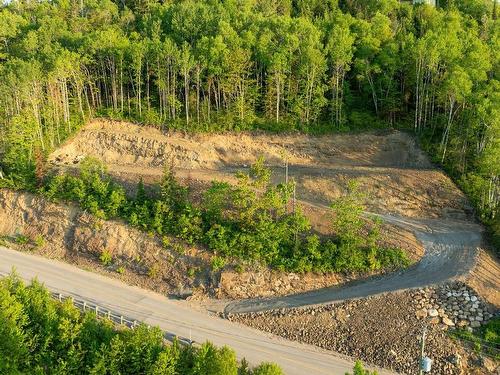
(450, 251)
(174, 316)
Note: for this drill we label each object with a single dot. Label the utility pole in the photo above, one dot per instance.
(422, 351)
(425, 362)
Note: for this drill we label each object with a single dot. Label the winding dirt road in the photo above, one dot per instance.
(450, 251)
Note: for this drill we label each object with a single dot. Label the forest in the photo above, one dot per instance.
(313, 66)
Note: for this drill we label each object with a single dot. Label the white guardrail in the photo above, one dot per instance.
(104, 313)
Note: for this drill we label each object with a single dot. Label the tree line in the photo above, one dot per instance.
(284, 65)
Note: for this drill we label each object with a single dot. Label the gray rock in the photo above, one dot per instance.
(432, 312)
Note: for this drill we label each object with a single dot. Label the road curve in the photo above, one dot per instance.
(174, 316)
(450, 251)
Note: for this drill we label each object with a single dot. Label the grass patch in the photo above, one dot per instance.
(484, 340)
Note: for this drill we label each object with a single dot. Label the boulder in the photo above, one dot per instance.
(432, 312)
(448, 322)
(421, 314)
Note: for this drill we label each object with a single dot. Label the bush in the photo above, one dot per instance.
(217, 263)
(39, 241)
(250, 221)
(22, 239)
(106, 258)
(485, 340)
(360, 370)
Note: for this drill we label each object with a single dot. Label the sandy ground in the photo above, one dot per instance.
(396, 176)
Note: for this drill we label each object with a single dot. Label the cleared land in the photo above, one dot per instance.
(399, 180)
(422, 208)
(392, 170)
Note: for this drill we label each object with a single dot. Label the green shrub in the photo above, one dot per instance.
(39, 241)
(22, 239)
(106, 258)
(485, 339)
(267, 369)
(249, 221)
(217, 263)
(360, 370)
(154, 271)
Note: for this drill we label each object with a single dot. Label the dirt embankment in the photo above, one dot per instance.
(393, 172)
(63, 231)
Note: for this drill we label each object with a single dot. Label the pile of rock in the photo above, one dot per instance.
(452, 305)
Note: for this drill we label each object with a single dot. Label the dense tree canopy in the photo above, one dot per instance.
(288, 64)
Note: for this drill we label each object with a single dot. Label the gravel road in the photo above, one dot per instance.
(450, 251)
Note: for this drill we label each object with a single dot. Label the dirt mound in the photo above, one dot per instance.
(394, 173)
(125, 143)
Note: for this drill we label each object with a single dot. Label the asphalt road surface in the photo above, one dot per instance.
(450, 251)
(174, 317)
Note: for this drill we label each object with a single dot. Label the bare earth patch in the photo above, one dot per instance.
(398, 179)
(382, 330)
(393, 171)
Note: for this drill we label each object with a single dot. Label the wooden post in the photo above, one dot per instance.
(121, 319)
(84, 305)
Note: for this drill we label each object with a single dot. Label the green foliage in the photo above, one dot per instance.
(217, 263)
(212, 65)
(39, 333)
(39, 241)
(484, 340)
(251, 221)
(21, 239)
(154, 271)
(357, 243)
(106, 258)
(93, 189)
(360, 370)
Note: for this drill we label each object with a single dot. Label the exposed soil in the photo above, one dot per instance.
(63, 231)
(66, 232)
(485, 277)
(383, 331)
(421, 205)
(394, 173)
